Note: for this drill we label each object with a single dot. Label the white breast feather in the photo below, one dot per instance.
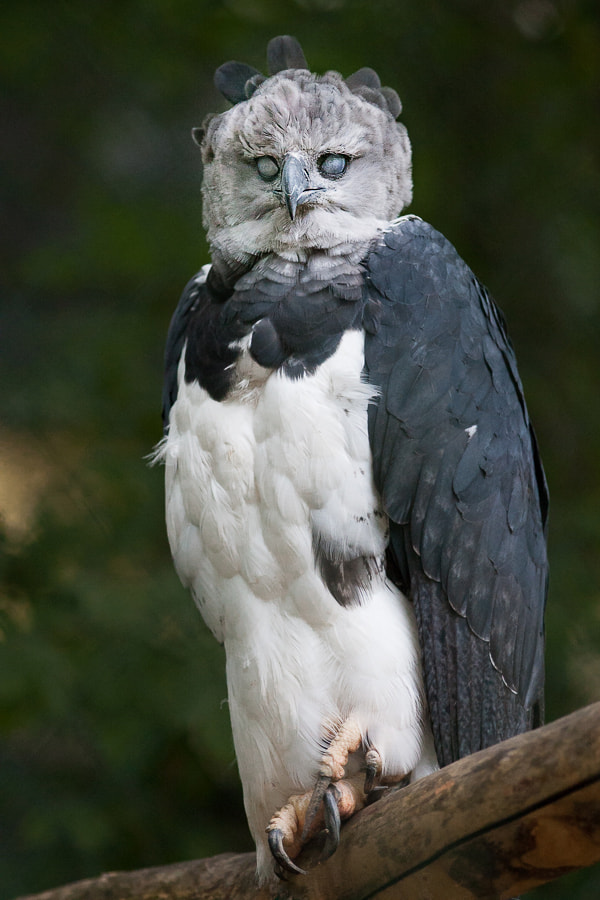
(248, 480)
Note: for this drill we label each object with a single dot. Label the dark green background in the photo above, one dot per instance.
(115, 749)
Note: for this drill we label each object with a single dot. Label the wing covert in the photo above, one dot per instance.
(456, 463)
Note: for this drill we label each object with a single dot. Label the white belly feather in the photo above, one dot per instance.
(248, 481)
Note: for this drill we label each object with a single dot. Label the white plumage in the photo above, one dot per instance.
(248, 482)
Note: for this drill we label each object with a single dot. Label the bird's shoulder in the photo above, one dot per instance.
(416, 273)
(195, 295)
(427, 316)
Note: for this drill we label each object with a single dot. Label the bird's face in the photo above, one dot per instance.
(304, 163)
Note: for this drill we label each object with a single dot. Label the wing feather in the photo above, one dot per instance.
(456, 463)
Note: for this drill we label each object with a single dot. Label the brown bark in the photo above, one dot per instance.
(489, 826)
(229, 876)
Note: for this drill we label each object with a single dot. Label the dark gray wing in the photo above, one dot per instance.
(456, 463)
(194, 295)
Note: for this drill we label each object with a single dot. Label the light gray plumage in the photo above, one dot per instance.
(346, 437)
(297, 112)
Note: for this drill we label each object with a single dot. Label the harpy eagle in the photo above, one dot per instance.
(353, 490)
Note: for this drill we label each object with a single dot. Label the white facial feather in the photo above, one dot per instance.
(297, 112)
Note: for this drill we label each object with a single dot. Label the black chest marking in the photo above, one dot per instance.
(295, 312)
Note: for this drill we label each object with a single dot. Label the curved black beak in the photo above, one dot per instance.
(294, 183)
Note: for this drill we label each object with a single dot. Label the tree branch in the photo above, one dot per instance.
(492, 825)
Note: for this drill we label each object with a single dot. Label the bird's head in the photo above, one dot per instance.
(301, 161)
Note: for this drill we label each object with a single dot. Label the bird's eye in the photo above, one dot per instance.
(267, 167)
(332, 165)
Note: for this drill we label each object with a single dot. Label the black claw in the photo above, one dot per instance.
(380, 789)
(323, 782)
(276, 847)
(371, 778)
(375, 793)
(332, 822)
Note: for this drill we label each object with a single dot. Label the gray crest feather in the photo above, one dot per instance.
(393, 101)
(364, 77)
(238, 81)
(284, 52)
(231, 78)
(366, 83)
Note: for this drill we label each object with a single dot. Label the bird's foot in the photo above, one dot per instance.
(333, 799)
(332, 768)
(290, 828)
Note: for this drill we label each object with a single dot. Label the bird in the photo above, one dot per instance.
(354, 492)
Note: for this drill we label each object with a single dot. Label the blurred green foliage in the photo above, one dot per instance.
(115, 749)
